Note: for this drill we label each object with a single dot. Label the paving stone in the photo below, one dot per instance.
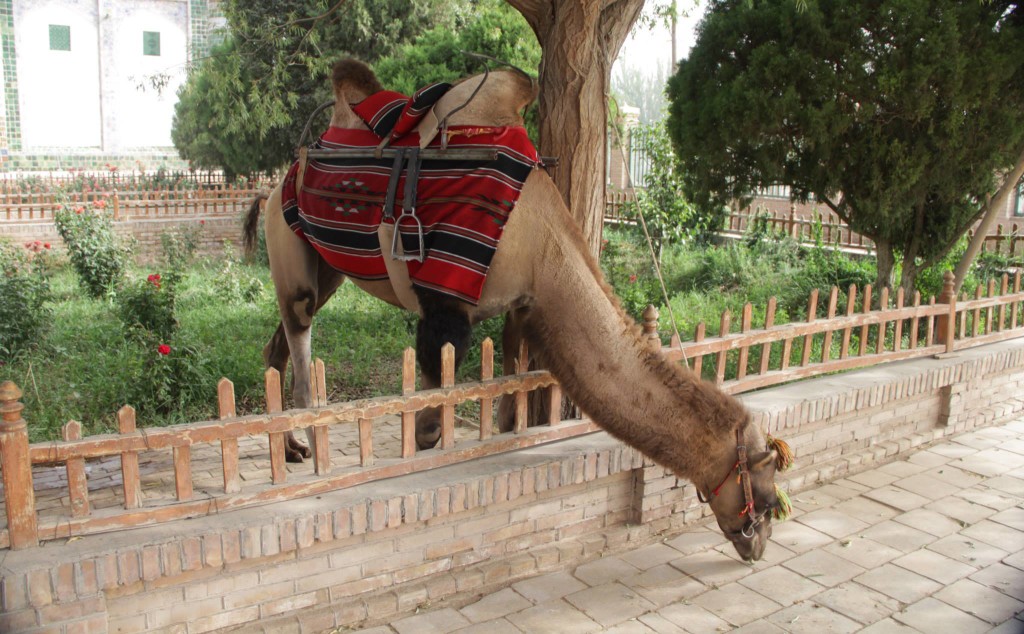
(660, 624)
(650, 556)
(896, 497)
(736, 604)
(434, 622)
(760, 626)
(605, 570)
(1016, 560)
(695, 541)
(953, 450)
(495, 606)
(866, 510)
(960, 509)
(381, 629)
(873, 478)
(664, 584)
(781, 585)
(610, 603)
(832, 522)
(548, 587)
(928, 458)
(811, 618)
(898, 583)
(553, 617)
(902, 469)
(975, 440)
(889, 626)
(924, 485)
(815, 499)
(497, 626)
(932, 615)
(968, 550)
(838, 491)
(931, 564)
(798, 537)
(998, 535)
(1007, 483)
(983, 463)
(824, 568)
(854, 486)
(632, 626)
(691, 618)
(992, 497)
(1013, 517)
(898, 536)
(931, 522)
(858, 602)
(1001, 577)
(866, 553)
(711, 568)
(1010, 626)
(980, 600)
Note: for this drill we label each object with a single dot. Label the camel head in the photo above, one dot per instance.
(746, 519)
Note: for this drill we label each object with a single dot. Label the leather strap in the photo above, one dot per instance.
(301, 172)
(396, 173)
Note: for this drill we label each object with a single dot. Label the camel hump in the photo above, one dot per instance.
(499, 102)
(353, 81)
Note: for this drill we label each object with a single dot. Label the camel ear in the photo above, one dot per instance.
(762, 460)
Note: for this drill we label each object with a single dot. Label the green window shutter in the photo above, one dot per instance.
(151, 43)
(60, 37)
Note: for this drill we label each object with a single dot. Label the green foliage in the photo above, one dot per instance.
(24, 292)
(146, 307)
(490, 27)
(243, 108)
(667, 212)
(179, 245)
(908, 108)
(97, 254)
(236, 284)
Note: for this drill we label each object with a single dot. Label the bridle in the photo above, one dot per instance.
(753, 519)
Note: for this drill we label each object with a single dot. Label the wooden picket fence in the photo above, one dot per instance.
(737, 361)
(1006, 240)
(132, 204)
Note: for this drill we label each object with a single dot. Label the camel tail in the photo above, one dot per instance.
(252, 223)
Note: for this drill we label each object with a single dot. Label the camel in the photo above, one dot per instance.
(544, 276)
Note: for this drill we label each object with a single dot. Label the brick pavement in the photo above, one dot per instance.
(930, 543)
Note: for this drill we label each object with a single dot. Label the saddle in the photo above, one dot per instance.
(439, 194)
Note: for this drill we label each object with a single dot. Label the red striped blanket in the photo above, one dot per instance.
(463, 205)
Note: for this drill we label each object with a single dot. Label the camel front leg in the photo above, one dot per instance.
(444, 321)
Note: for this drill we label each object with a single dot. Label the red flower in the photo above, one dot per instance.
(79, 209)
(154, 279)
(46, 245)
(202, 222)
(632, 279)
(164, 349)
(100, 204)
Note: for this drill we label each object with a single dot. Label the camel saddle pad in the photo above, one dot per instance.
(462, 205)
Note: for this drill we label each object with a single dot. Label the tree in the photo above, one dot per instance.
(243, 108)
(580, 39)
(646, 91)
(899, 115)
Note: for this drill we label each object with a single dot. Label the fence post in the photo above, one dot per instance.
(115, 203)
(947, 323)
(17, 470)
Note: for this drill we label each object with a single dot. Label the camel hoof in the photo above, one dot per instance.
(291, 455)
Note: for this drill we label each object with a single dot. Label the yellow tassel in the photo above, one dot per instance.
(785, 507)
(785, 454)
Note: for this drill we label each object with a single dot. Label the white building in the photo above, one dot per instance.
(92, 82)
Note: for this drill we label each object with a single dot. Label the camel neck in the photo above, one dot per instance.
(603, 364)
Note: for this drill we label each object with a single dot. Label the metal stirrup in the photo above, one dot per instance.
(412, 174)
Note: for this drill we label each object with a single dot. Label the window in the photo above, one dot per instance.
(150, 43)
(1018, 204)
(60, 37)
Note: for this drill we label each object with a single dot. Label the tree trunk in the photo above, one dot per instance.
(992, 208)
(886, 262)
(580, 39)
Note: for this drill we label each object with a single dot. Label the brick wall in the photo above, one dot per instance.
(216, 228)
(365, 554)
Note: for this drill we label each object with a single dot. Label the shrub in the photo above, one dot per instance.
(97, 254)
(179, 245)
(235, 285)
(24, 291)
(146, 307)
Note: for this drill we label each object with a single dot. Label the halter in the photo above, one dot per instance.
(748, 495)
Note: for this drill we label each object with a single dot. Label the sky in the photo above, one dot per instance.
(648, 49)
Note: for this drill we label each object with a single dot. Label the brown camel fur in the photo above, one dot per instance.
(544, 272)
